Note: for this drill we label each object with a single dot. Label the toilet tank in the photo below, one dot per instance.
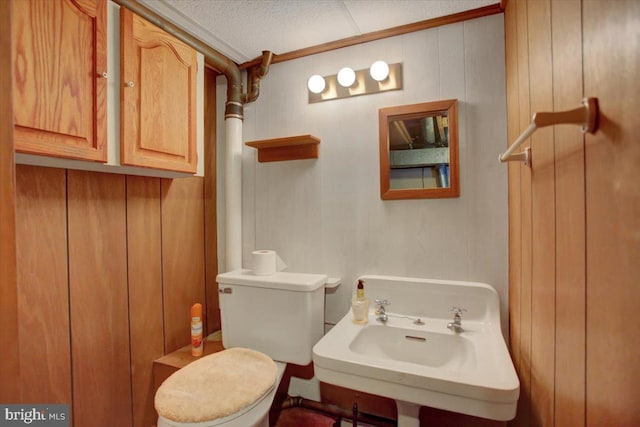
(281, 315)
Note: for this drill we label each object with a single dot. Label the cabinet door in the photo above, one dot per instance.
(60, 93)
(158, 97)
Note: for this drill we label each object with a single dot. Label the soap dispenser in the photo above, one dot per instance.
(360, 305)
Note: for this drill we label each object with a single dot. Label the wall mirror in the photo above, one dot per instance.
(419, 151)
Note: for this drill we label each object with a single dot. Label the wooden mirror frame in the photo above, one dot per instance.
(411, 111)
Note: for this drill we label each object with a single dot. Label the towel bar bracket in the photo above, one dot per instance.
(586, 116)
(591, 124)
(523, 156)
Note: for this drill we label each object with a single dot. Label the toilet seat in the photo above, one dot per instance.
(163, 422)
(218, 389)
(248, 416)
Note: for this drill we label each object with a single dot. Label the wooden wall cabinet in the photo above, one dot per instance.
(60, 92)
(153, 126)
(158, 101)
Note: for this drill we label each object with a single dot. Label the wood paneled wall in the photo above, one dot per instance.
(9, 386)
(144, 237)
(574, 219)
(108, 267)
(182, 265)
(98, 275)
(41, 200)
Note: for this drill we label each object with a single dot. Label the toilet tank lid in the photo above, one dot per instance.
(297, 282)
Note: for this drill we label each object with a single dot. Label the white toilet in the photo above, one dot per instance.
(281, 316)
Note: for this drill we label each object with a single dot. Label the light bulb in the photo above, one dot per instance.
(346, 77)
(379, 71)
(316, 83)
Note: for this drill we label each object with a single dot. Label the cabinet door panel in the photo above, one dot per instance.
(59, 92)
(158, 97)
(163, 80)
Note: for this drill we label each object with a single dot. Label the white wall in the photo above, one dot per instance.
(325, 215)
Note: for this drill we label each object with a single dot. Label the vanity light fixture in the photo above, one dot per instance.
(380, 77)
(316, 83)
(379, 71)
(346, 77)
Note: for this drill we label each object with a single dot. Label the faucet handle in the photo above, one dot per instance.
(382, 302)
(457, 310)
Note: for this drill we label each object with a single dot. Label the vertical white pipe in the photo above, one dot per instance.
(233, 193)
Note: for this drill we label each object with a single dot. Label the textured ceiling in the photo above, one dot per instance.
(241, 29)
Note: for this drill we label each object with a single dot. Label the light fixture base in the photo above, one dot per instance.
(364, 85)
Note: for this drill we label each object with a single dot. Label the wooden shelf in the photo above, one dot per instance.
(289, 148)
(168, 364)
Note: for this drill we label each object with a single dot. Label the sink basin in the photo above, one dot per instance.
(425, 364)
(415, 346)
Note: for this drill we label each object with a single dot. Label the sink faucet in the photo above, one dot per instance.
(381, 311)
(456, 325)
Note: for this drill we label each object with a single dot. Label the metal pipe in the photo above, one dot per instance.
(354, 420)
(233, 106)
(254, 74)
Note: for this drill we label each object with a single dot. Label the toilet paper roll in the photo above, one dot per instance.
(266, 262)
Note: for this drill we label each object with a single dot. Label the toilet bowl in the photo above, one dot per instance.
(279, 317)
(254, 415)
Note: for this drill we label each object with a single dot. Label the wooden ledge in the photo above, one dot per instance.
(166, 365)
(289, 148)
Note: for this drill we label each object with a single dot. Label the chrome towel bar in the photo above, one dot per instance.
(585, 116)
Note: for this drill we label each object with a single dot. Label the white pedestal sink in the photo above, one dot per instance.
(408, 414)
(425, 364)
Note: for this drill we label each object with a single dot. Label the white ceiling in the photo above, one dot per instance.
(242, 29)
